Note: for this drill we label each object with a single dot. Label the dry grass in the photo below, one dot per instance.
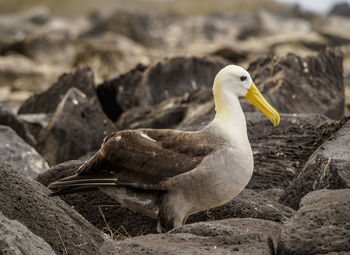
(116, 234)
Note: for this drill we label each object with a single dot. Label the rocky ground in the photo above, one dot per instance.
(128, 69)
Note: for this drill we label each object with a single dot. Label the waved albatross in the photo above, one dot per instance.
(171, 174)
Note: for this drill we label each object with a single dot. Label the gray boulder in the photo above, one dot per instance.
(8, 118)
(328, 167)
(320, 226)
(50, 218)
(15, 238)
(293, 84)
(241, 236)
(13, 149)
(47, 101)
(77, 127)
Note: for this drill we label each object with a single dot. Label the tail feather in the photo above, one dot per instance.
(77, 180)
(71, 190)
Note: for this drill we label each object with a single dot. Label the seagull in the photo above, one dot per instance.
(171, 174)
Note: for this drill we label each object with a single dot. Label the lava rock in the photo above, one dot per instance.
(47, 101)
(34, 122)
(13, 149)
(107, 92)
(248, 204)
(328, 167)
(21, 73)
(273, 194)
(174, 77)
(244, 236)
(280, 153)
(320, 226)
(334, 28)
(96, 206)
(167, 114)
(302, 85)
(11, 120)
(109, 55)
(341, 9)
(49, 218)
(77, 127)
(15, 238)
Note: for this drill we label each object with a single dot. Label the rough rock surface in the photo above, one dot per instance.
(109, 55)
(49, 218)
(341, 9)
(313, 84)
(280, 153)
(16, 151)
(320, 226)
(167, 114)
(15, 238)
(241, 236)
(11, 120)
(77, 127)
(248, 204)
(47, 101)
(95, 204)
(174, 77)
(34, 122)
(328, 167)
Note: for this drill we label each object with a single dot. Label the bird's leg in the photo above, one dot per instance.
(170, 216)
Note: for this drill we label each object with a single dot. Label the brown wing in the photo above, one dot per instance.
(148, 156)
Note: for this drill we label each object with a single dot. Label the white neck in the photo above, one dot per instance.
(229, 118)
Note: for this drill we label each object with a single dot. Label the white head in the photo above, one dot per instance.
(234, 81)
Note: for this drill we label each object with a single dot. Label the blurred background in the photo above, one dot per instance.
(41, 39)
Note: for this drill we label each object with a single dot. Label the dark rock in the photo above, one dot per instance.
(16, 151)
(138, 26)
(231, 54)
(334, 29)
(243, 236)
(77, 127)
(167, 114)
(21, 73)
(9, 119)
(176, 112)
(248, 204)
(14, 27)
(173, 78)
(35, 122)
(302, 85)
(273, 194)
(49, 218)
(280, 153)
(108, 91)
(96, 206)
(320, 226)
(341, 9)
(15, 238)
(328, 167)
(47, 101)
(109, 55)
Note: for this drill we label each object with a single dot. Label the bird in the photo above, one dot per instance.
(171, 174)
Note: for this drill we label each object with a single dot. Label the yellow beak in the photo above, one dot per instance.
(254, 96)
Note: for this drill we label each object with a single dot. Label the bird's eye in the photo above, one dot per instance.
(243, 78)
